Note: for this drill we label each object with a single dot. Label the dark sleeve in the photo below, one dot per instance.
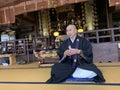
(61, 49)
(87, 51)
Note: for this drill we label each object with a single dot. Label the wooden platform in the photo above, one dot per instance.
(31, 77)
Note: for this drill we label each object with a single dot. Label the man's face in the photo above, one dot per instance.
(71, 31)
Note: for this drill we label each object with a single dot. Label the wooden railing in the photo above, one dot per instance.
(105, 44)
(103, 35)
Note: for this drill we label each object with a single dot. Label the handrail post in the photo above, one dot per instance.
(97, 36)
(112, 34)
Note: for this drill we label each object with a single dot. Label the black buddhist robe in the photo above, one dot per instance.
(61, 71)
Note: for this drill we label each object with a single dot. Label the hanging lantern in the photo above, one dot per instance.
(9, 16)
(25, 9)
(56, 33)
(80, 30)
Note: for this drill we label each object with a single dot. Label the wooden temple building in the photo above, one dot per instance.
(28, 26)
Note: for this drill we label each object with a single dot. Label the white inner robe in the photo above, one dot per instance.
(82, 73)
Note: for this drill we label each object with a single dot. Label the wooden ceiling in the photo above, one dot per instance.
(4, 3)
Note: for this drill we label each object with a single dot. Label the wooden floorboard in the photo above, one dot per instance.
(32, 77)
(56, 87)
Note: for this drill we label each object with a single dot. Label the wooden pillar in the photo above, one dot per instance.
(109, 11)
(110, 23)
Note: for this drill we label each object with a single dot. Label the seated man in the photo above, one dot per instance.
(76, 59)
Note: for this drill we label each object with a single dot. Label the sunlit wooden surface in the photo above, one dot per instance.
(31, 77)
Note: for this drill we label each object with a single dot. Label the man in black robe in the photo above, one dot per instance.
(75, 53)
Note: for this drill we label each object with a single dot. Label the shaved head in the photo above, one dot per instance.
(71, 27)
(71, 31)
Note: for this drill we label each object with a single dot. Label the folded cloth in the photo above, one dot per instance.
(82, 73)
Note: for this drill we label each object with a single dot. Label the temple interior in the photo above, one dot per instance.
(30, 26)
